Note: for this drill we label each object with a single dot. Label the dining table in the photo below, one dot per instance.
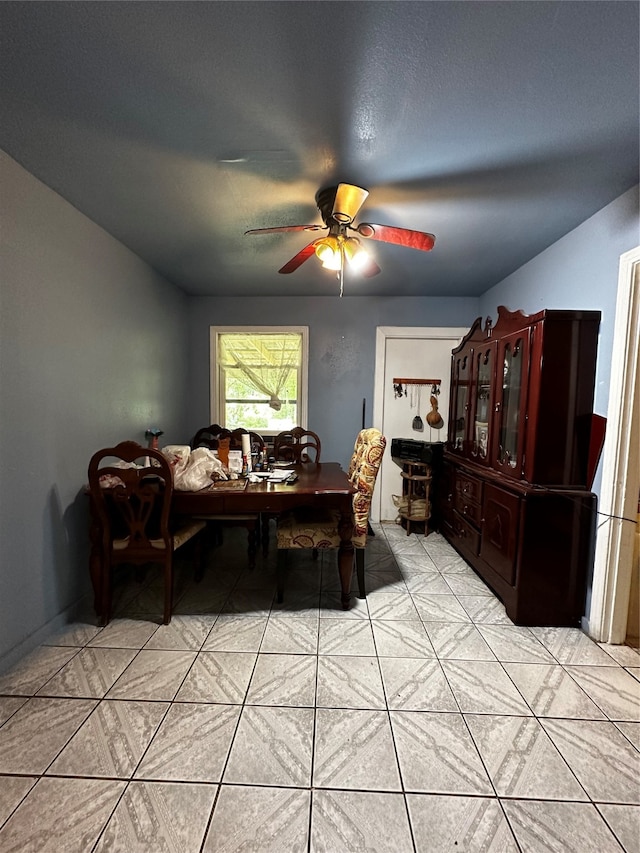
(317, 484)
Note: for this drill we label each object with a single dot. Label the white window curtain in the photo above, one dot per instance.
(266, 361)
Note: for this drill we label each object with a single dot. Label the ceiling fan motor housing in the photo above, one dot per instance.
(341, 204)
(325, 199)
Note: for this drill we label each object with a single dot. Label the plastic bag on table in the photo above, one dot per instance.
(177, 455)
(193, 469)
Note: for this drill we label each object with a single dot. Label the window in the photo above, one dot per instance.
(259, 377)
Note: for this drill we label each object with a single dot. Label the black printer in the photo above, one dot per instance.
(411, 450)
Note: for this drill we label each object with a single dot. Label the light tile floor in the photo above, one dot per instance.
(422, 720)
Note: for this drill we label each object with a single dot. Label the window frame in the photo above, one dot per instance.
(216, 385)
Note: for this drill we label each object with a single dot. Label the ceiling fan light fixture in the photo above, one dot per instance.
(355, 253)
(328, 252)
(333, 263)
(349, 199)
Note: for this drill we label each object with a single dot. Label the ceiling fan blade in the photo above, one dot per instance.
(299, 259)
(400, 236)
(286, 228)
(349, 199)
(369, 269)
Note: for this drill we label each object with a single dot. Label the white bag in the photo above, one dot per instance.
(193, 469)
(177, 455)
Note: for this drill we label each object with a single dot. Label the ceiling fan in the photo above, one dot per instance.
(338, 207)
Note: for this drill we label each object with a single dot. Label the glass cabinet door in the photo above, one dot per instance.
(510, 405)
(482, 403)
(458, 437)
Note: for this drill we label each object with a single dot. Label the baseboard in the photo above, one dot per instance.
(69, 614)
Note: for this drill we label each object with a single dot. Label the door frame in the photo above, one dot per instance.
(613, 563)
(383, 333)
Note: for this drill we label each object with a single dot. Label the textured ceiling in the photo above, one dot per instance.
(177, 126)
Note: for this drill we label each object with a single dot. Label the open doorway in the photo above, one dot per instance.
(408, 352)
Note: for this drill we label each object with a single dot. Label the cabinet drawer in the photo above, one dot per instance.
(464, 535)
(470, 510)
(468, 488)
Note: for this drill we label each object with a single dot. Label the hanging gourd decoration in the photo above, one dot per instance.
(434, 418)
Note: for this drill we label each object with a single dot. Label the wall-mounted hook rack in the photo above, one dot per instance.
(400, 385)
(417, 381)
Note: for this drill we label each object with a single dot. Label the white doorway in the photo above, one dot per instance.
(416, 353)
(614, 556)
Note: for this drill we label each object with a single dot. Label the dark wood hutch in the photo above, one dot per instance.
(516, 494)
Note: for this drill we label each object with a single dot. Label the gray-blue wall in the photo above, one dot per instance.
(579, 271)
(92, 351)
(342, 339)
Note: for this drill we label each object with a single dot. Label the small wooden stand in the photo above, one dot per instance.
(418, 480)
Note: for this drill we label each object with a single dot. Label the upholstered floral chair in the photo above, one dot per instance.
(318, 530)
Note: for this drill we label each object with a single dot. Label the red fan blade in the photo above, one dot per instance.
(369, 269)
(400, 236)
(299, 259)
(286, 228)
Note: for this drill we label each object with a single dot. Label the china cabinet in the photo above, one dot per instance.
(516, 499)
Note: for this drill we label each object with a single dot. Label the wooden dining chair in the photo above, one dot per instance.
(130, 489)
(257, 441)
(210, 437)
(297, 445)
(307, 528)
